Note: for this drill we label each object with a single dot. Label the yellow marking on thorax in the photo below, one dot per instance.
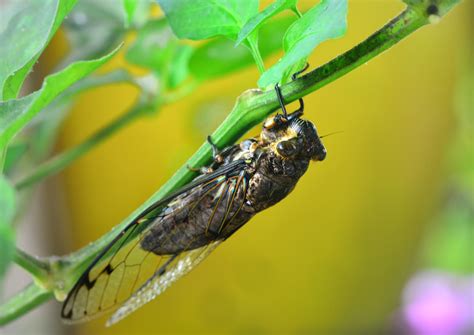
(288, 135)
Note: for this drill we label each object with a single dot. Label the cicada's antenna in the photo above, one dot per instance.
(297, 113)
(332, 133)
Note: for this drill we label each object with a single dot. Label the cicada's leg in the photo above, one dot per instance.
(201, 170)
(216, 155)
(300, 109)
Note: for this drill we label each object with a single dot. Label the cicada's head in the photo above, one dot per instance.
(292, 138)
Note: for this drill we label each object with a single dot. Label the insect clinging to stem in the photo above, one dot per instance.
(177, 232)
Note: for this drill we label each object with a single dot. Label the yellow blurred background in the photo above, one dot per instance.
(333, 257)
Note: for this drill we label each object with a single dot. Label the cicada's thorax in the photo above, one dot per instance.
(270, 176)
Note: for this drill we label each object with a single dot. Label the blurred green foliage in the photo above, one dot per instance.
(201, 19)
(21, 45)
(7, 212)
(255, 23)
(450, 246)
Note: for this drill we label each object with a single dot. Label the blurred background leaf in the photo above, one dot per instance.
(451, 241)
(129, 7)
(20, 46)
(92, 29)
(7, 201)
(256, 22)
(7, 211)
(95, 27)
(7, 247)
(157, 49)
(201, 19)
(14, 153)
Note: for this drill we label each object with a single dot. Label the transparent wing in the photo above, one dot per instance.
(178, 266)
(125, 270)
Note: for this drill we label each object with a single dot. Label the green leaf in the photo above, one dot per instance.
(153, 47)
(325, 21)
(136, 11)
(7, 247)
(92, 29)
(157, 49)
(201, 19)
(449, 245)
(225, 58)
(44, 135)
(256, 21)
(15, 114)
(179, 66)
(14, 152)
(29, 26)
(7, 201)
(129, 7)
(7, 212)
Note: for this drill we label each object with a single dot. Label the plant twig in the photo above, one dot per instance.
(23, 302)
(3, 155)
(252, 43)
(38, 269)
(60, 161)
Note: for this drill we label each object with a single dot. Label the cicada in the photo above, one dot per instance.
(176, 233)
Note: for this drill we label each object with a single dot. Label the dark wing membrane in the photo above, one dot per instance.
(124, 271)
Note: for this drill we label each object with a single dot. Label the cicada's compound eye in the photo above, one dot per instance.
(288, 148)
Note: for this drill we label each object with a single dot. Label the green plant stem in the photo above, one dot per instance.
(252, 43)
(3, 155)
(38, 269)
(296, 11)
(250, 109)
(258, 60)
(59, 162)
(23, 302)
